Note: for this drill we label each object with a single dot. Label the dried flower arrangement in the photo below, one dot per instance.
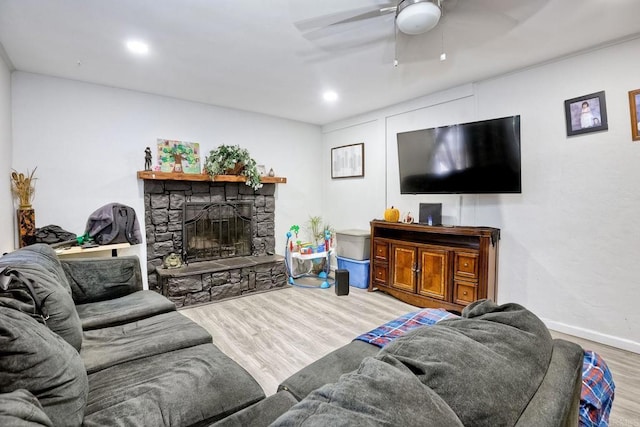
(23, 187)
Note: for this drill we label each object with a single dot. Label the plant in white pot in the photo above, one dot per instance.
(233, 160)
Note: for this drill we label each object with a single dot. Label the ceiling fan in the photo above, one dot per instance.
(416, 20)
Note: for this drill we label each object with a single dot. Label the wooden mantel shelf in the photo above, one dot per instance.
(174, 176)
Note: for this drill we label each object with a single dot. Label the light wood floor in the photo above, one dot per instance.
(275, 334)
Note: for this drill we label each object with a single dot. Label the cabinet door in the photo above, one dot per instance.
(433, 273)
(404, 264)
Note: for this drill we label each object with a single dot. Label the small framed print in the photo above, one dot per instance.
(347, 161)
(634, 109)
(586, 114)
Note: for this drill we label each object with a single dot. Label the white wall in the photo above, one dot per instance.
(569, 249)
(7, 211)
(88, 142)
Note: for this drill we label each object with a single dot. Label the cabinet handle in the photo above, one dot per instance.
(464, 293)
(466, 264)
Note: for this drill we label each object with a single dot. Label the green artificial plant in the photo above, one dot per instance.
(317, 229)
(226, 158)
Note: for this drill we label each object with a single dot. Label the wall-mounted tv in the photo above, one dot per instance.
(466, 158)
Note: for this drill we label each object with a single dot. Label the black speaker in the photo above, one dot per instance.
(430, 214)
(342, 282)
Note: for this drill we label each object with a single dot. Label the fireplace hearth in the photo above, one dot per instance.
(223, 231)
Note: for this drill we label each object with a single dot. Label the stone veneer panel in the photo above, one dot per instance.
(163, 203)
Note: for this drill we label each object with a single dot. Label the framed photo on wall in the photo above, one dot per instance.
(634, 108)
(586, 114)
(347, 161)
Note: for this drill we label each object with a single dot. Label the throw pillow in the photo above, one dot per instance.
(57, 301)
(35, 359)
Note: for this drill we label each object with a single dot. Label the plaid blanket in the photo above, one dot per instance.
(598, 387)
(597, 391)
(384, 334)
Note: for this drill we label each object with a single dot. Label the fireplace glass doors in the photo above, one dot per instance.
(216, 230)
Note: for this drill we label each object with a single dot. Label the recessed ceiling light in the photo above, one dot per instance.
(330, 96)
(137, 46)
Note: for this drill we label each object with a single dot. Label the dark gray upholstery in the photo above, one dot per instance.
(377, 394)
(43, 272)
(498, 366)
(20, 408)
(34, 358)
(47, 258)
(260, 414)
(328, 369)
(98, 279)
(180, 388)
(149, 365)
(165, 332)
(124, 309)
(562, 378)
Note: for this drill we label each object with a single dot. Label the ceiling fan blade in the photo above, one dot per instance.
(345, 17)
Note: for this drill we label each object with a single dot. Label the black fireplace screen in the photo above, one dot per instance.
(216, 230)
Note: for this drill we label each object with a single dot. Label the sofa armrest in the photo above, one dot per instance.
(557, 401)
(99, 279)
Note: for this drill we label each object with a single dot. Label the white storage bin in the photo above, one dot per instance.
(354, 244)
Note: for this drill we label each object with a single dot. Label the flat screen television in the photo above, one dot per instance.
(466, 158)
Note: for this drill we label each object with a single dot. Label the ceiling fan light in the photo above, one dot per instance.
(417, 18)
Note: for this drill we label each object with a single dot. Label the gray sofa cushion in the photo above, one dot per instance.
(124, 309)
(487, 365)
(181, 387)
(20, 408)
(261, 413)
(56, 299)
(99, 279)
(109, 346)
(47, 258)
(34, 358)
(328, 369)
(377, 393)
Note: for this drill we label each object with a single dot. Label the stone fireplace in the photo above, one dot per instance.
(224, 231)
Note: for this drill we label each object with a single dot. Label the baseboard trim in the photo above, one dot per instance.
(588, 334)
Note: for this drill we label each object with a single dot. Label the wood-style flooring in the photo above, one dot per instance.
(275, 334)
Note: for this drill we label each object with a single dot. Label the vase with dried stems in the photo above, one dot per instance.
(23, 188)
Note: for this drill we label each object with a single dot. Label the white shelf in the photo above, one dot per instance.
(75, 250)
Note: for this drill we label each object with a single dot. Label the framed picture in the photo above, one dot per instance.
(347, 161)
(634, 108)
(586, 114)
(178, 156)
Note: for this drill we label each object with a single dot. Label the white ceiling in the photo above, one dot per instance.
(249, 55)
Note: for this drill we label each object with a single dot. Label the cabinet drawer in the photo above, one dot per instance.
(381, 250)
(466, 265)
(380, 273)
(465, 293)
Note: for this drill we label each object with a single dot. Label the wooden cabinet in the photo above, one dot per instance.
(434, 266)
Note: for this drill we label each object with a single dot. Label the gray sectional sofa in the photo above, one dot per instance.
(110, 353)
(114, 354)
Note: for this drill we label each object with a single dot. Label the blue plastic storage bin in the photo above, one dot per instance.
(358, 271)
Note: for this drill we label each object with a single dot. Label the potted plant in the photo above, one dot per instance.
(233, 160)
